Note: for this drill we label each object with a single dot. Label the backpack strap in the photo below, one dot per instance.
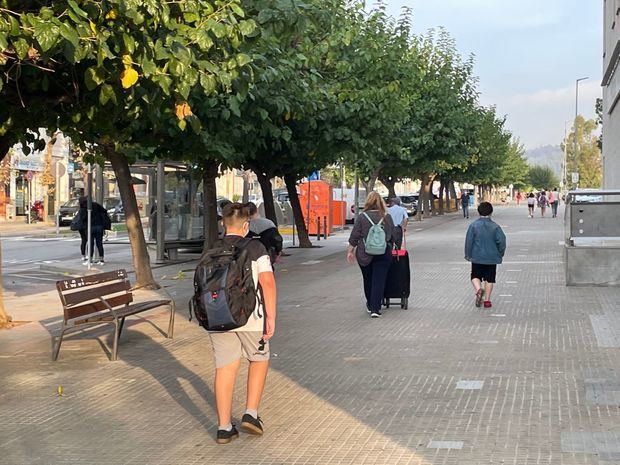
(368, 218)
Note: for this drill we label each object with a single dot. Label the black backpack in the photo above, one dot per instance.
(272, 240)
(224, 292)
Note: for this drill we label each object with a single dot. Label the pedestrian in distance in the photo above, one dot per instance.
(99, 222)
(554, 201)
(465, 203)
(371, 243)
(543, 203)
(250, 341)
(519, 198)
(485, 245)
(531, 204)
(400, 218)
(266, 232)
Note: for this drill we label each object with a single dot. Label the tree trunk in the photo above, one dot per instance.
(427, 191)
(5, 319)
(390, 183)
(302, 232)
(453, 195)
(139, 251)
(267, 190)
(209, 177)
(245, 196)
(441, 197)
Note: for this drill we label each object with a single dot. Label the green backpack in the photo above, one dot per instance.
(375, 243)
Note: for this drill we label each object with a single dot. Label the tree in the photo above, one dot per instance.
(588, 160)
(542, 177)
(116, 75)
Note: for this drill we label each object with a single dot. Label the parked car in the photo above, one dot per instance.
(408, 202)
(68, 211)
(114, 206)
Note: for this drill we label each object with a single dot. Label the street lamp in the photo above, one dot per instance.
(573, 178)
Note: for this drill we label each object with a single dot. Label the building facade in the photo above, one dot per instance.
(611, 95)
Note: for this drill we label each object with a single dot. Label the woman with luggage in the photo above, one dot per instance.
(371, 243)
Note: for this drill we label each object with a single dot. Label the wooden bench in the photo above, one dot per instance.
(103, 298)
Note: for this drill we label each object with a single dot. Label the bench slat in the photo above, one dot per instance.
(121, 313)
(75, 283)
(97, 306)
(94, 292)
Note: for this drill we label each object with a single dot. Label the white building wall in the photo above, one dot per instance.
(611, 95)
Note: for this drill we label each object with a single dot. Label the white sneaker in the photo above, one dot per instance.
(99, 262)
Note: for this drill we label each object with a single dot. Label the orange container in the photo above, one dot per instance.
(316, 205)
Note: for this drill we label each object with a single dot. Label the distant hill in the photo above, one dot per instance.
(547, 155)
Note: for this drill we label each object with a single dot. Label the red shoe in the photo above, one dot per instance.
(487, 304)
(479, 294)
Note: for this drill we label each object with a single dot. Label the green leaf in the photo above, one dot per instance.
(106, 94)
(247, 27)
(237, 10)
(21, 48)
(195, 123)
(70, 34)
(46, 33)
(94, 77)
(208, 83)
(243, 59)
(4, 41)
(129, 43)
(148, 67)
(14, 26)
(182, 124)
(74, 6)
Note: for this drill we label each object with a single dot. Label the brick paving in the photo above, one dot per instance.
(534, 380)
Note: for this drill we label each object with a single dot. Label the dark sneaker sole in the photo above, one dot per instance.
(479, 297)
(251, 429)
(227, 440)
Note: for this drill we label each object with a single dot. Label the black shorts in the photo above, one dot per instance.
(483, 272)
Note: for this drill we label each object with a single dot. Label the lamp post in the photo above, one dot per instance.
(577, 81)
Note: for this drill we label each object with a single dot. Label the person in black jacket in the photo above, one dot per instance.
(99, 222)
(266, 232)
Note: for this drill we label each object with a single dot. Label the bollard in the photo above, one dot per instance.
(318, 228)
(325, 227)
(293, 233)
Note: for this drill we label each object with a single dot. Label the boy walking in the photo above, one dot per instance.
(485, 245)
(250, 341)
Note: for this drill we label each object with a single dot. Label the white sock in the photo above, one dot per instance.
(227, 427)
(252, 413)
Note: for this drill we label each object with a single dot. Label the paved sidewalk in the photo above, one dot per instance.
(534, 380)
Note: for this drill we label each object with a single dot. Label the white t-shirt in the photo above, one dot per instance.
(398, 214)
(260, 264)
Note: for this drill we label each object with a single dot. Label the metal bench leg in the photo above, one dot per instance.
(117, 328)
(120, 329)
(171, 324)
(56, 348)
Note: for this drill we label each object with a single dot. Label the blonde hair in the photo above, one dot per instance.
(375, 202)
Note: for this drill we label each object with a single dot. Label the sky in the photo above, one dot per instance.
(528, 55)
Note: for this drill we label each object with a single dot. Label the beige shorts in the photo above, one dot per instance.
(228, 347)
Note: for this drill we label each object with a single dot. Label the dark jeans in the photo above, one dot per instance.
(554, 208)
(96, 238)
(466, 211)
(375, 275)
(397, 236)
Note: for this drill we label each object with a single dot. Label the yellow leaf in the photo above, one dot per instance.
(287, 116)
(112, 14)
(127, 61)
(182, 110)
(92, 27)
(129, 77)
(60, 390)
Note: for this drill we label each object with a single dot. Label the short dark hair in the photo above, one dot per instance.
(252, 208)
(485, 209)
(235, 214)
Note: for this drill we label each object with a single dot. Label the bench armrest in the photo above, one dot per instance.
(109, 307)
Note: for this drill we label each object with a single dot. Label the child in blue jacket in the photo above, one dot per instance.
(485, 245)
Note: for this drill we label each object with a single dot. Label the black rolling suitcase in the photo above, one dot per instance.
(398, 284)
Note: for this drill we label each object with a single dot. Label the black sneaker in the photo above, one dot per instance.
(224, 437)
(375, 314)
(368, 309)
(252, 425)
